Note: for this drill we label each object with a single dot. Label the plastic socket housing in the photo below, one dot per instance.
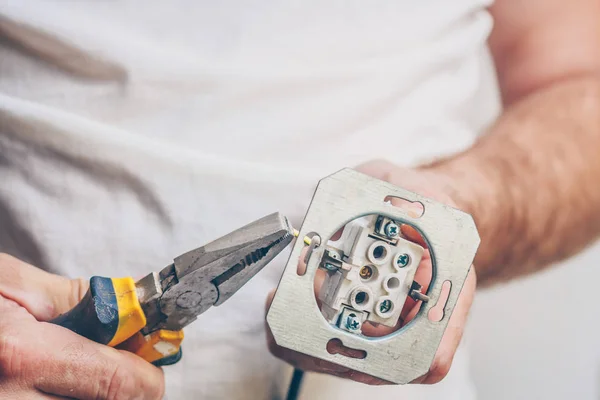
(375, 274)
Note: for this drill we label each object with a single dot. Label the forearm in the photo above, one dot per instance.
(532, 183)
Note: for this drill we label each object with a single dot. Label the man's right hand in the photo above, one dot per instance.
(39, 360)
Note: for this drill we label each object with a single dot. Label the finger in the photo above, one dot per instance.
(423, 182)
(423, 275)
(59, 362)
(376, 330)
(389, 172)
(45, 396)
(338, 234)
(453, 334)
(308, 363)
(16, 392)
(103, 376)
(319, 275)
(379, 169)
(43, 294)
(295, 358)
(301, 267)
(411, 234)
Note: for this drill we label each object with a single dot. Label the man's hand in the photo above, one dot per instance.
(39, 360)
(435, 187)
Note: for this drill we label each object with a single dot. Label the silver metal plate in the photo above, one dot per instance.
(297, 322)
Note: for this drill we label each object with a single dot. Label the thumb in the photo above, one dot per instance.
(43, 294)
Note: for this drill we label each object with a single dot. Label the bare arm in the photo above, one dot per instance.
(533, 182)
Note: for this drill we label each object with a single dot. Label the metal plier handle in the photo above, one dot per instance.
(147, 317)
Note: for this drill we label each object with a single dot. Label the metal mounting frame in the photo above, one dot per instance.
(294, 317)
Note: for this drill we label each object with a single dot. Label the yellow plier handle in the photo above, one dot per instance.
(110, 313)
(147, 317)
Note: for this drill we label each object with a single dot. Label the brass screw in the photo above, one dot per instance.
(366, 272)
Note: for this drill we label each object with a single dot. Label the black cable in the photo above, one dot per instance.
(295, 383)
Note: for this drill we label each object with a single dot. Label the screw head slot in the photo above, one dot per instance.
(402, 260)
(353, 323)
(384, 307)
(391, 229)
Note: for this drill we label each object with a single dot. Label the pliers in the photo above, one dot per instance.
(147, 317)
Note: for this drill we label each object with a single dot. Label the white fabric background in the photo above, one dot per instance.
(232, 110)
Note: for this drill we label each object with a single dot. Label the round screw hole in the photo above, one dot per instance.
(366, 272)
(393, 283)
(335, 346)
(361, 297)
(379, 252)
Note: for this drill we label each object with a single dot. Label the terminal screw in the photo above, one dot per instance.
(391, 229)
(385, 306)
(366, 272)
(353, 323)
(402, 260)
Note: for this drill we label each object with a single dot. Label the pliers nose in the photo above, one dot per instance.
(147, 316)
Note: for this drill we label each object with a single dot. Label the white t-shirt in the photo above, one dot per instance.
(132, 131)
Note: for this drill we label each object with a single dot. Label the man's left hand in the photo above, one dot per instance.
(436, 187)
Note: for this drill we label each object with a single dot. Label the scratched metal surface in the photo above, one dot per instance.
(211, 274)
(294, 317)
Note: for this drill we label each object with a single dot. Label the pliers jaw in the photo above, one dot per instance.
(211, 274)
(146, 317)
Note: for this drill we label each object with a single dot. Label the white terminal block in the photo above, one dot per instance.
(296, 317)
(376, 274)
